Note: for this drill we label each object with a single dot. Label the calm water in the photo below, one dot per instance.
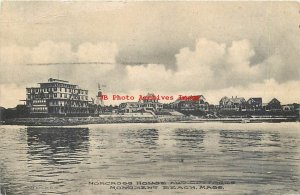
(253, 158)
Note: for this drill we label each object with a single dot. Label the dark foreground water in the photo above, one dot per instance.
(202, 158)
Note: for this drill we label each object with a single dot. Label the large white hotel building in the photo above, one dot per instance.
(57, 97)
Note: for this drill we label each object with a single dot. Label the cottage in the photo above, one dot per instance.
(274, 105)
(151, 104)
(143, 105)
(290, 107)
(254, 104)
(197, 103)
(129, 107)
(232, 104)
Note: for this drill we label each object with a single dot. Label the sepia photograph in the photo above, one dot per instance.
(149, 97)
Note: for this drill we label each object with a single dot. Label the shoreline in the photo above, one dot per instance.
(113, 119)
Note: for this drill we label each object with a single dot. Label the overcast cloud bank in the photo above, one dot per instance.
(214, 49)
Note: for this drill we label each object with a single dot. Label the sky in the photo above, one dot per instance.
(244, 49)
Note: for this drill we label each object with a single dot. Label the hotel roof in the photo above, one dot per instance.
(51, 80)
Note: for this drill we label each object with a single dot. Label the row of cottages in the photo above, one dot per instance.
(252, 104)
(197, 103)
(150, 105)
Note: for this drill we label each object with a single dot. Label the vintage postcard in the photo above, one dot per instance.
(149, 97)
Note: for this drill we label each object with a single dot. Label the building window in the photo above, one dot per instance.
(55, 94)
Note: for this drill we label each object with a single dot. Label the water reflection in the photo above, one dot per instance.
(235, 141)
(58, 146)
(211, 142)
(189, 139)
(261, 155)
(63, 160)
(145, 138)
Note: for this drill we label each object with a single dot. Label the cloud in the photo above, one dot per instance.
(10, 94)
(210, 65)
(16, 73)
(242, 45)
(268, 89)
(150, 77)
(50, 52)
(210, 68)
(103, 52)
(14, 60)
(217, 69)
(158, 35)
(218, 65)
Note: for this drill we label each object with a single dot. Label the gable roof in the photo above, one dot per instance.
(274, 100)
(255, 99)
(235, 100)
